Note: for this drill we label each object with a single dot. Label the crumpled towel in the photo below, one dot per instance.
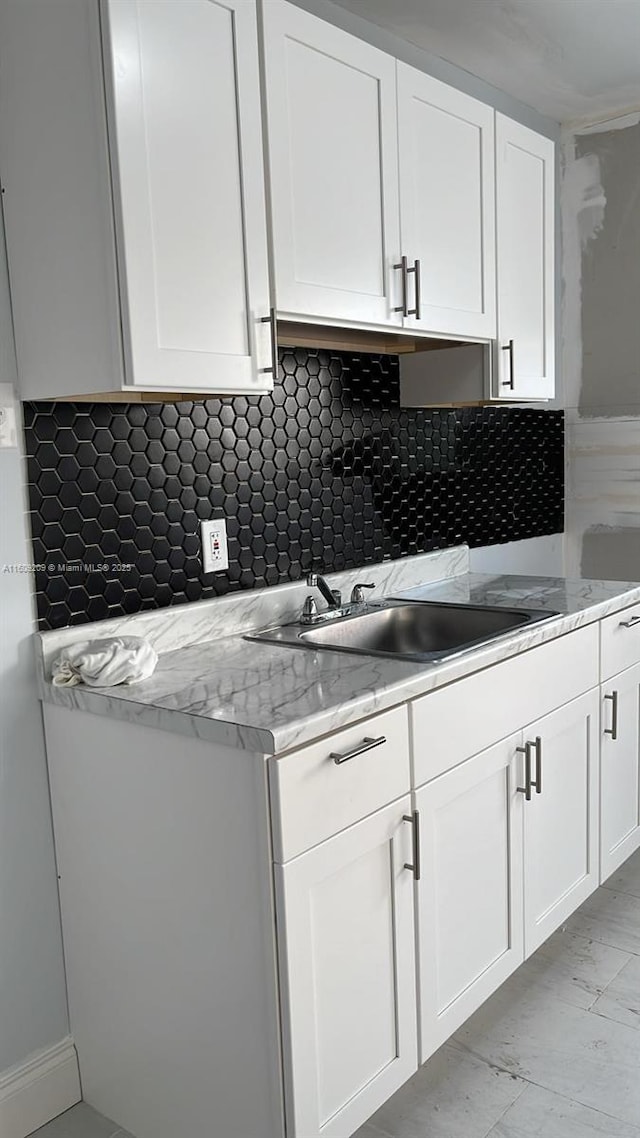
(104, 663)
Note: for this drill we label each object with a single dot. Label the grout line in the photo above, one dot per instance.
(608, 944)
(549, 1090)
(610, 1019)
(625, 892)
(508, 1108)
(630, 956)
(376, 1129)
(589, 1106)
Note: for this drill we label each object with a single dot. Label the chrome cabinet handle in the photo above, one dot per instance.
(403, 265)
(538, 781)
(414, 866)
(528, 783)
(403, 308)
(367, 744)
(416, 271)
(510, 382)
(273, 328)
(633, 622)
(613, 729)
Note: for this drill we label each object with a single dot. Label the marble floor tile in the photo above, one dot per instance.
(574, 968)
(80, 1122)
(621, 999)
(627, 878)
(452, 1095)
(369, 1131)
(573, 1052)
(611, 918)
(539, 1113)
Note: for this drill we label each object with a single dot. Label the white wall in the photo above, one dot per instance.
(601, 244)
(33, 1008)
(536, 556)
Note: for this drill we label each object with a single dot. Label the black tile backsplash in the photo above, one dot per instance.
(326, 472)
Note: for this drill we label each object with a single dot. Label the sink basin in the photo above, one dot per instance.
(410, 630)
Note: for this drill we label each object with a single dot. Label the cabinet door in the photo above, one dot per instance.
(619, 770)
(189, 183)
(561, 819)
(470, 931)
(447, 204)
(525, 268)
(346, 945)
(331, 115)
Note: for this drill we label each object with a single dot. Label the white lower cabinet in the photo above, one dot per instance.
(619, 769)
(561, 818)
(389, 877)
(509, 844)
(347, 957)
(470, 903)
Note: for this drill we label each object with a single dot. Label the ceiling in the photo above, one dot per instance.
(570, 59)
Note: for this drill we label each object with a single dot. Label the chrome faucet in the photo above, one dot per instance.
(333, 597)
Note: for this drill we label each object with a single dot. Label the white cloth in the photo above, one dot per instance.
(104, 663)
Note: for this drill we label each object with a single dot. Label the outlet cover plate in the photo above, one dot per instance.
(215, 554)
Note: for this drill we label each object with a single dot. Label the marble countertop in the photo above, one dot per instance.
(268, 698)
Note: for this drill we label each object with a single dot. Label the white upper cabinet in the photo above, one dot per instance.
(131, 147)
(190, 188)
(447, 206)
(331, 117)
(525, 265)
(171, 296)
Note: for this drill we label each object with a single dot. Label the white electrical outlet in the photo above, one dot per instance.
(215, 555)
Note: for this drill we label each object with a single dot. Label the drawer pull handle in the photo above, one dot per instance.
(367, 744)
(633, 622)
(414, 866)
(613, 729)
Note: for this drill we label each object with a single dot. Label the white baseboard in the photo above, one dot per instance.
(34, 1092)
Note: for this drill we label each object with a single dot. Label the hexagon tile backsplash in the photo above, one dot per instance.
(326, 472)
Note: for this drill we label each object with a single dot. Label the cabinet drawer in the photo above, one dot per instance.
(620, 641)
(321, 789)
(471, 714)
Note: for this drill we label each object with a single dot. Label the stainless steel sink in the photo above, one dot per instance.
(409, 630)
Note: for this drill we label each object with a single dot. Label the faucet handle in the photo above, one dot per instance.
(357, 595)
(310, 610)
